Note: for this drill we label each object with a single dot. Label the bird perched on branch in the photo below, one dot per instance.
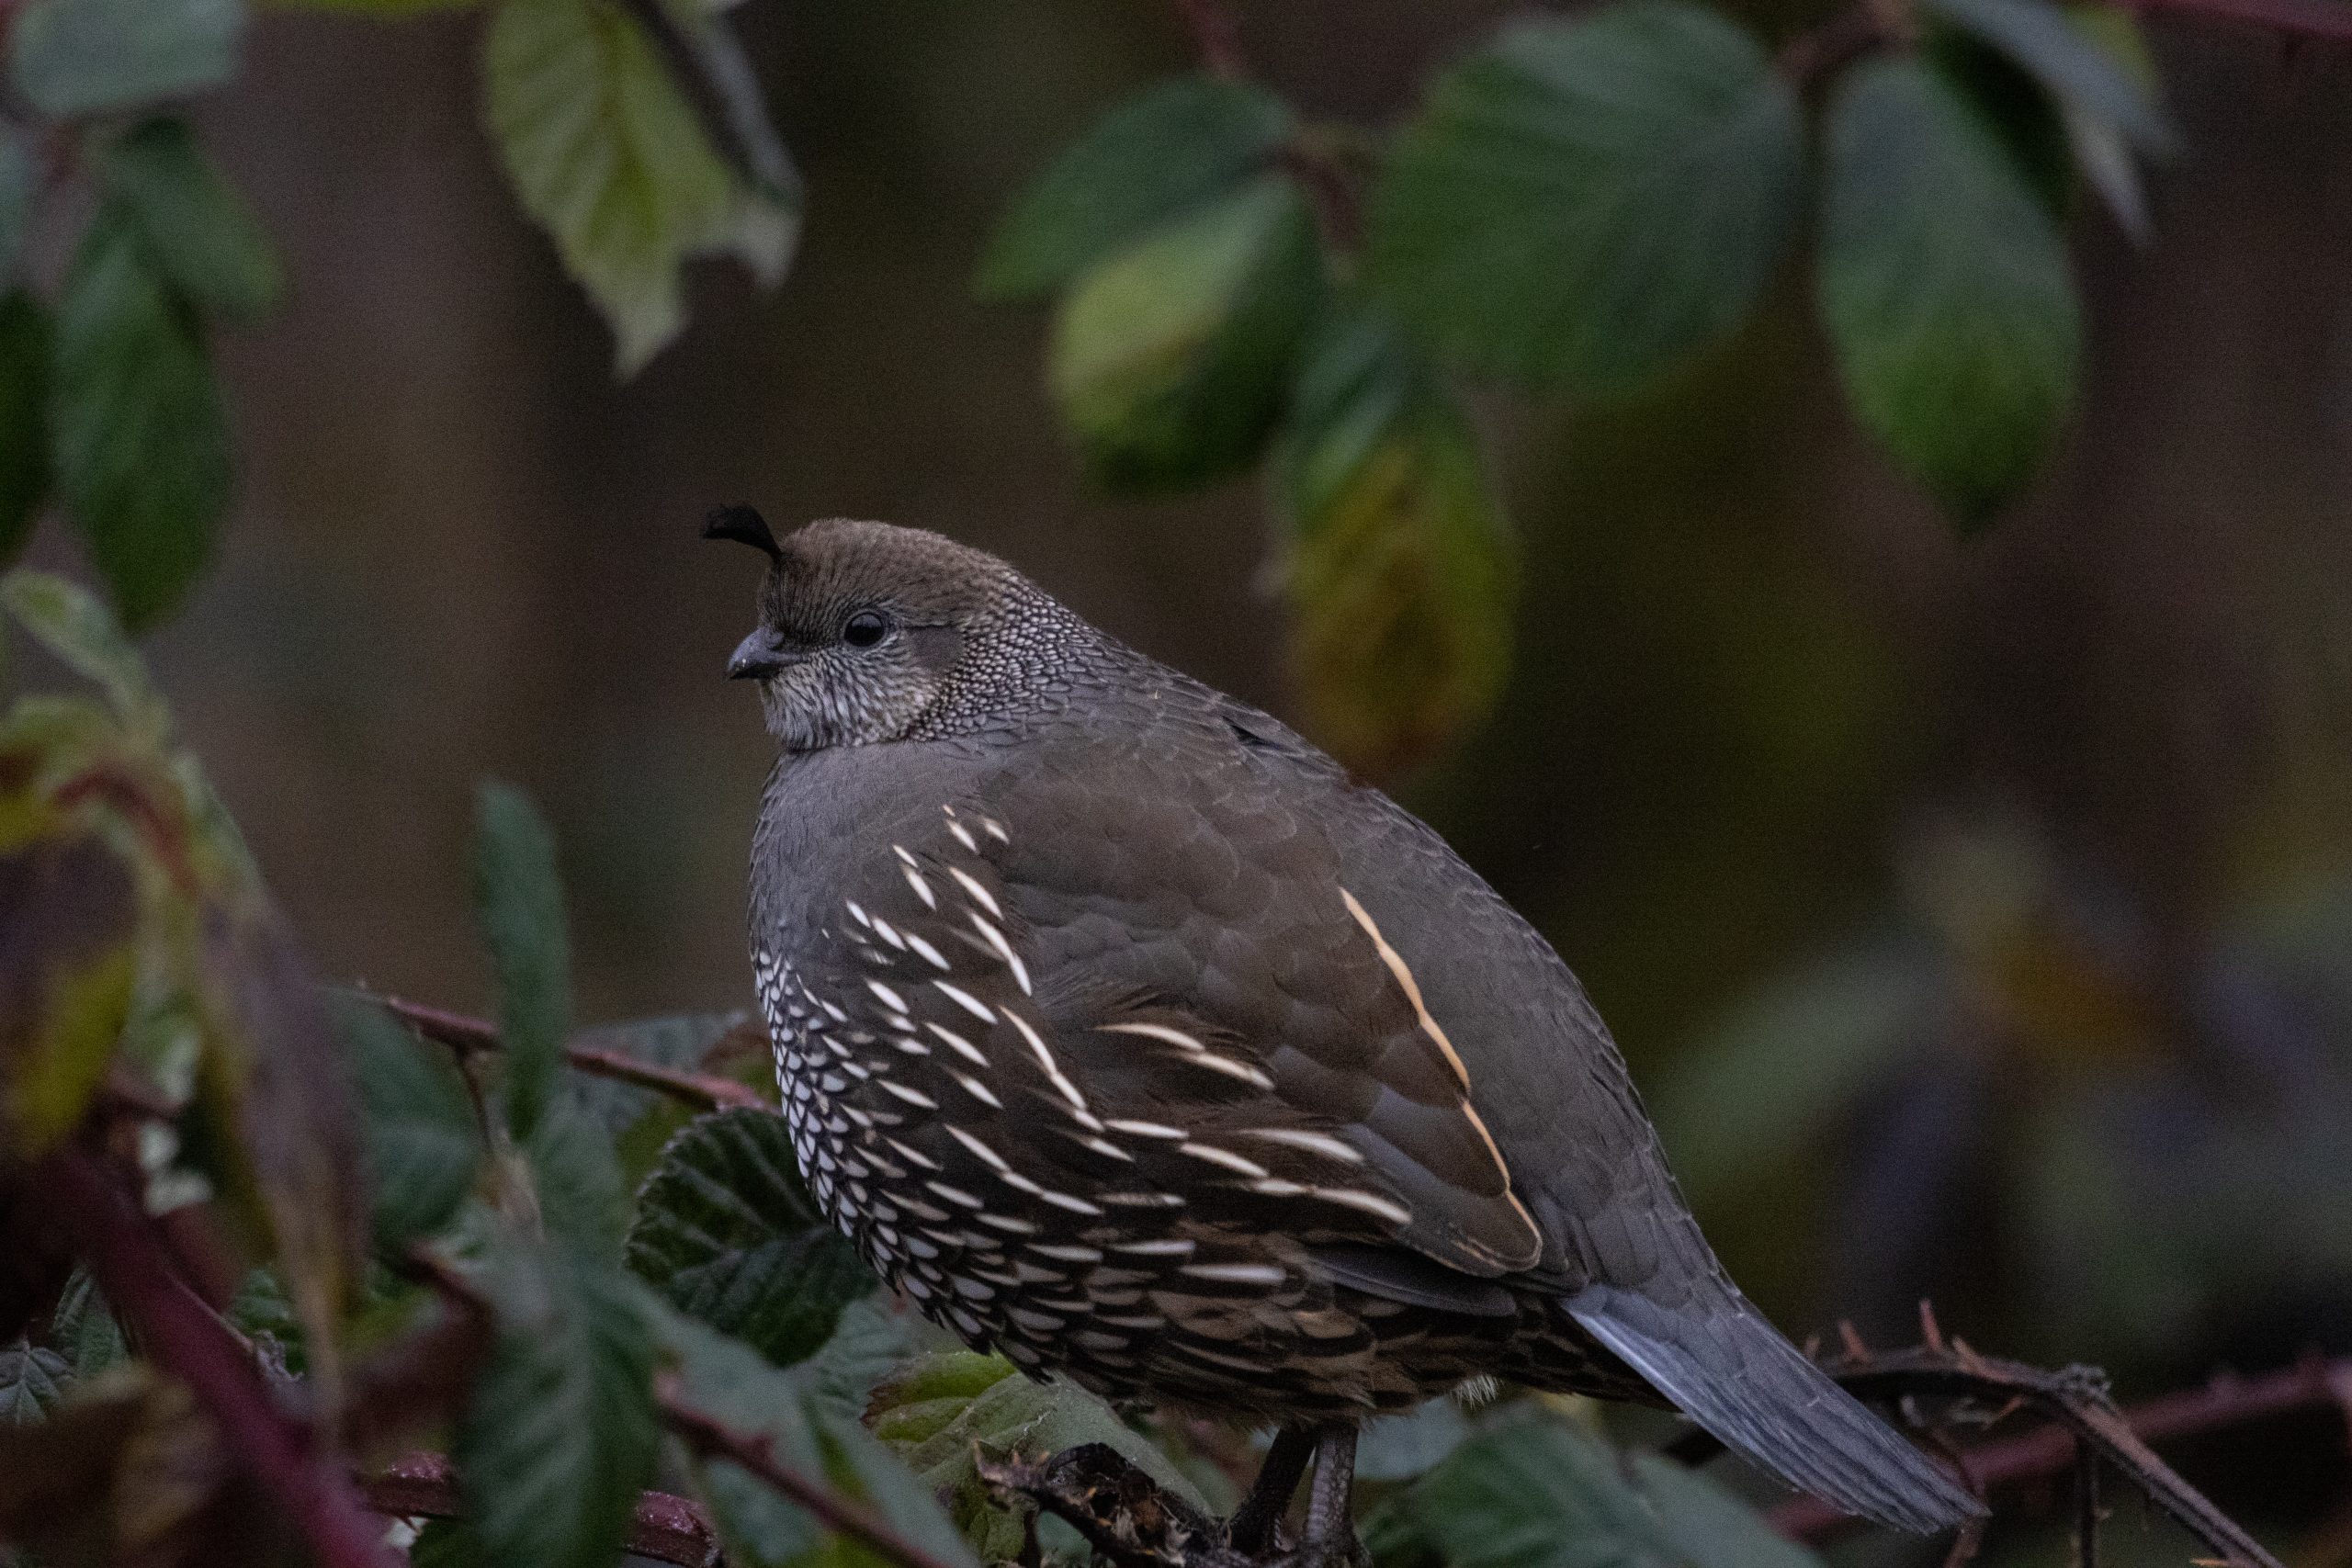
(1130, 1037)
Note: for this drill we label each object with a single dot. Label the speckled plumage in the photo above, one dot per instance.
(1127, 1035)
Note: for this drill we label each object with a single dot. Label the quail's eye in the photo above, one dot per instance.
(865, 628)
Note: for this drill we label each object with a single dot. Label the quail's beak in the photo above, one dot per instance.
(759, 655)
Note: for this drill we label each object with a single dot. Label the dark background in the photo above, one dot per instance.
(2080, 789)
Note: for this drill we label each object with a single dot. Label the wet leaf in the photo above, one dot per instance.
(1168, 360)
(729, 1383)
(518, 899)
(140, 441)
(1155, 157)
(607, 154)
(69, 931)
(204, 238)
(1583, 203)
(1400, 565)
(943, 1412)
(423, 1147)
(726, 1231)
(1531, 1491)
(1945, 287)
(32, 1377)
(558, 1438)
(77, 57)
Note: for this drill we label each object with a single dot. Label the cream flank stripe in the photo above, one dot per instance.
(1411, 987)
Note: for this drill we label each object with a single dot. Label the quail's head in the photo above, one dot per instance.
(868, 631)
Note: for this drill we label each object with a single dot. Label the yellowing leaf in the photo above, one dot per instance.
(69, 918)
(1401, 566)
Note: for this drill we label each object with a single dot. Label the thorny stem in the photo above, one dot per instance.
(753, 1452)
(665, 1528)
(473, 1036)
(129, 1262)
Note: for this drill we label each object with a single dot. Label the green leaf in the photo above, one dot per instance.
(69, 909)
(559, 1437)
(728, 1382)
(203, 237)
(1168, 360)
(140, 440)
(607, 154)
(423, 1147)
(31, 1380)
(1779, 1072)
(2103, 152)
(23, 417)
(518, 899)
(1155, 157)
(1585, 203)
(726, 1231)
(1532, 1492)
(1399, 1448)
(943, 1412)
(1944, 285)
(1400, 563)
(78, 57)
(2045, 42)
(577, 1177)
(20, 179)
(77, 630)
(84, 1327)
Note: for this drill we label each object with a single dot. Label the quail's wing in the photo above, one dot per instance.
(1171, 1005)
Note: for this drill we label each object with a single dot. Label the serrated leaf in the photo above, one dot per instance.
(518, 899)
(24, 417)
(69, 925)
(1532, 1492)
(559, 1437)
(1400, 565)
(728, 1382)
(2045, 42)
(202, 235)
(578, 1181)
(1944, 286)
(32, 1377)
(1583, 203)
(79, 631)
(943, 1412)
(140, 441)
(726, 1231)
(607, 154)
(1168, 360)
(77, 57)
(424, 1147)
(1155, 157)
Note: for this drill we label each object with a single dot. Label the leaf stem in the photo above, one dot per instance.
(473, 1036)
(753, 1452)
(129, 1262)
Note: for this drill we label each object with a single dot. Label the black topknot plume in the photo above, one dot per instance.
(744, 526)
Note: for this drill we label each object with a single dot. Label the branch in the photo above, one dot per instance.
(128, 1258)
(755, 1453)
(1120, 1510)
(473, 1036)
(664, 1527)
(2085, 1423)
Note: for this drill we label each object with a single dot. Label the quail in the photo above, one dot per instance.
(1127, 1034)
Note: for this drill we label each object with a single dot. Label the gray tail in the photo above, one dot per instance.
(1733, 1372)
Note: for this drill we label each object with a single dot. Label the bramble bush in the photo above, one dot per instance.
(281, 1264)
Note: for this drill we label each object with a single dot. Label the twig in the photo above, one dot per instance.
(471, 1037)
(2078, 1407)
(128, 1258)
(753, 1452)
(1216, 37)
(1122, 1514)
(665, 1528)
